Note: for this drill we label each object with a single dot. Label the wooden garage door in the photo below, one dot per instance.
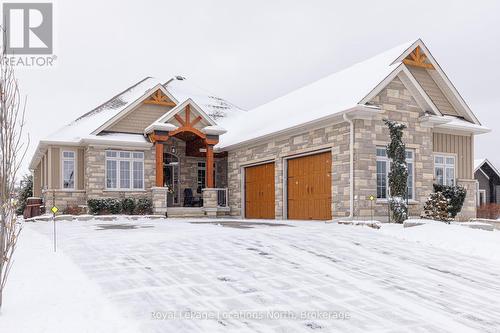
(309, 187)
(259, 191)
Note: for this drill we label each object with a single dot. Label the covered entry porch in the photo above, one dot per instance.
(190, 178)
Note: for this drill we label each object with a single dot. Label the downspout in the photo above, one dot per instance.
(351, 165)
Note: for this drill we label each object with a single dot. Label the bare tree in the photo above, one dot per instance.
(12, 152)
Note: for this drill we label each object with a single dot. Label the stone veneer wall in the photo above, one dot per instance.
(328, 136)
(397, 104)
(63, 198)
(188, 172)
(469, 210)
(95, 182)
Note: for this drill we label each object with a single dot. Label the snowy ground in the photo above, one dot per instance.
(108, 279)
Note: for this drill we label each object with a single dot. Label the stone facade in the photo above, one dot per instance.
(210, 202)
(469, 209)
(63, 199)
(159, 199)
(334, 137)
(396, 103)
(95, 180)
(95, 169)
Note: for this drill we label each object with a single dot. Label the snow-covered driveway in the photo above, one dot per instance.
(149, 269)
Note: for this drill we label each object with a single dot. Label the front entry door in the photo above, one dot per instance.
(170, 178)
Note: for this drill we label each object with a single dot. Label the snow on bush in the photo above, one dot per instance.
(129, 206)
(455, 195)
(436, 208)
(398, 176)
(24, 193)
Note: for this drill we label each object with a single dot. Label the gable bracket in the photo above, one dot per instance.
(158, 98)
(417, 59)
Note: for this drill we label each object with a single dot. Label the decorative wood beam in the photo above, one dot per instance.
(417, 59)
(180, 120)
(188, 115)
(417, 64)
(159, 103)
(212, 141)
(159, 98)
(157, 138)
(188, 129)
(195, 121)
(210, 166)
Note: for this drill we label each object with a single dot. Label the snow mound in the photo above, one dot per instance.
(452, 237)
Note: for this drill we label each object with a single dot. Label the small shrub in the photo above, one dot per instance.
(128, 206)
(455, 195)
(144, 206)
(72, 210)
(436, 207)
(96, 206)
(24, 193)
(112, 206)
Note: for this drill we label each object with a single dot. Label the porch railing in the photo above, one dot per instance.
(222, 197)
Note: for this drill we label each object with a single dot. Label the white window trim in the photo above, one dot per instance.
(479, 197)
(455, 166)
(75, 171)
(131, 159)
(204, 168)
(388, 169)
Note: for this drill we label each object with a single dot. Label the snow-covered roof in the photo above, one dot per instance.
(216, 107)
(346, 91)
(90, 121)
(478, 163)
(179, 88)
(339, 93)
(457, 123)
(332, 94)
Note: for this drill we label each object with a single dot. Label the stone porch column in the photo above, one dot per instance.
(210, 201)
(159, 199)
(469, 208)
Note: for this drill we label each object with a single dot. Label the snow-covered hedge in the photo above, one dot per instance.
(129, 206)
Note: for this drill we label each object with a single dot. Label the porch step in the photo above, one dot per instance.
(185, 212)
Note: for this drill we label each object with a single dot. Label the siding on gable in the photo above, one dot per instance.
(140, 118)
(431, 88)
(461, 146)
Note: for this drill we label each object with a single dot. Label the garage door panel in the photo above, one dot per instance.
(309, 187)
(259, 191)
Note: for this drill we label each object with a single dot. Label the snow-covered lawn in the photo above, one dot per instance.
(129, 276)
